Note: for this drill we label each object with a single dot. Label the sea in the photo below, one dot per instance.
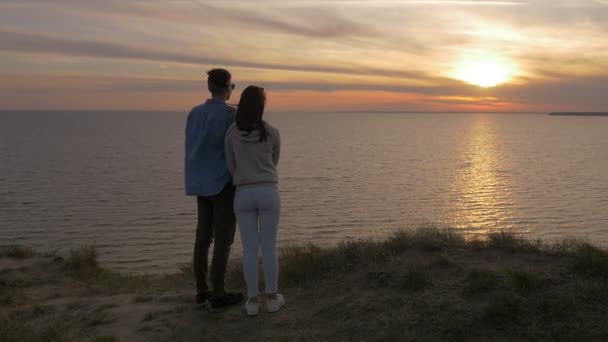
(115, 180)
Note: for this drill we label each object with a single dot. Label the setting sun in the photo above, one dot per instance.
(484, 73)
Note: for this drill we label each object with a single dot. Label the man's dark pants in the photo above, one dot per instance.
(216, 221)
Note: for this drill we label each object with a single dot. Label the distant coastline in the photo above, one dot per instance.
(579, 113)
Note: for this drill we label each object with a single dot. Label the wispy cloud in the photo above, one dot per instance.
(363, 3)
(401, 50)
(35, 43)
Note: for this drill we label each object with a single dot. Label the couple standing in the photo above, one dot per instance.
(231, 159)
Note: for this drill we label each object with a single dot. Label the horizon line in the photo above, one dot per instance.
(293, 111)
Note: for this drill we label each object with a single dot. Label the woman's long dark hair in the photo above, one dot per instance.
(251, 110)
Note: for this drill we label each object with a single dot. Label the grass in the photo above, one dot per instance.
(82, 262)
(106, 339)
(18, 331)
(12, 332)
(480, 281)
(98, 316)
(556, 306)
(309, 262)
(10, 296)
(46, 323)
(590, 261)
(411, 277)
(504, 310)
(427, 238)
(57, 330)
(496, 297)
(303, 263)
(150, 316)
(443, 262)
(524, 282)
(143, 298)
(414, 278)
(429, 284)
(16, 252)
(513, 243)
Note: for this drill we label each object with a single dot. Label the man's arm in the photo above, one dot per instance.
(229, 151)
(188, 119)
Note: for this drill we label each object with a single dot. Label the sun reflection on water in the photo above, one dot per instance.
(481, 189)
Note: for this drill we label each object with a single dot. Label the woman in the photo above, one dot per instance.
(252, 154)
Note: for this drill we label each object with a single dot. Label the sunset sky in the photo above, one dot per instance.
(310, 55)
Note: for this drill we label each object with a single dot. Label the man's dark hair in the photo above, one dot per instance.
(218, 80)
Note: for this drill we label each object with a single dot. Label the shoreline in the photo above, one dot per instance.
(428, 284)
(579, 114)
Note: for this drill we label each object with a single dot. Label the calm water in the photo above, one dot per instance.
(116, 179)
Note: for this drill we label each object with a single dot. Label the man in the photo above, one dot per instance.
(207, 177)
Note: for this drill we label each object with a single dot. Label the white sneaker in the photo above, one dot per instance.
(274, 305)
(253, 308)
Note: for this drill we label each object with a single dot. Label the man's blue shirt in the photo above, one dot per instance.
(206, 171)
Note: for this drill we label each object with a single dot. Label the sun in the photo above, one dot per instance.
(484, 72)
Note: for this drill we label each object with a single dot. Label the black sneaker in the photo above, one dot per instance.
(203, 297)
(228, 299)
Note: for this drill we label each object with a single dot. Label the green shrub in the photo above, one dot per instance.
(524, 282)
(504, 310)
(511, 242)
(16, 252)
(590, 261)
(414, 278)
(82, 261)
(480, 281)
